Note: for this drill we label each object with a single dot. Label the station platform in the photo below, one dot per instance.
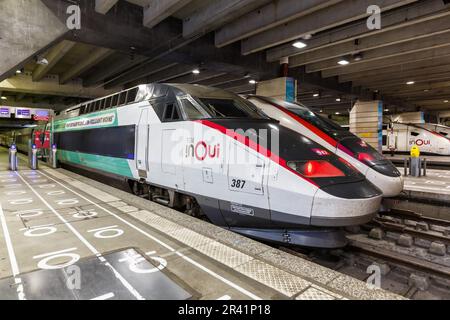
(440, 162)
(65, 236)
(427, 195)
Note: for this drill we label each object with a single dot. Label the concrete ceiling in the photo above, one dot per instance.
(123, 43)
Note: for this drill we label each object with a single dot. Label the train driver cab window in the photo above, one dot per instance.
(171, 113)
(443, 133)
(191, 112)
(414, 134)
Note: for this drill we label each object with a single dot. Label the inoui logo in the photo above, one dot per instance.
(73, 22)
(374, 20)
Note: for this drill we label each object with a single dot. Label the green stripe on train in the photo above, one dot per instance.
(102, 119)
(108, 164)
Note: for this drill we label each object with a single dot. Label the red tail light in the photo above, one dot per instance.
(365, 157)
(316, 169)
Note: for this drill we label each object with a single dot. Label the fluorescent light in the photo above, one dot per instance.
(299, 44)
(338, 99)
(315, 95)
(252, 82)
(343, 62)
(18, 71)
(410, 83)
(195, 71)
(445, 101)
(321, 111)
(338, 113)
(386, 110)
(4, 98)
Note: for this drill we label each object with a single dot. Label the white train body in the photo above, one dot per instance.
(438, 128)
(402, 137)
(165, 142)
(290, 115)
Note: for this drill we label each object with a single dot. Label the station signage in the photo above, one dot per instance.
(41, 115)
(23, 113)
(5, 112)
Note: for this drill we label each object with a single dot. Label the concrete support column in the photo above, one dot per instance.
(409, 117)
(366, 121)
(284, 88)
(26, 27)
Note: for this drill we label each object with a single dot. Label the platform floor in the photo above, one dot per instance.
(441, 161)
(436, 181)
(64, 236)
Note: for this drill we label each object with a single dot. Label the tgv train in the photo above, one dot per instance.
(438, 128)
(39, 135)
(211, 153)
(401, 137)
(378, 170)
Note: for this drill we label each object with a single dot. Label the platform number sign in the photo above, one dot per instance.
(73, 22)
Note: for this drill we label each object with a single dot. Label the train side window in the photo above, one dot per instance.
(171, 113)
(122, 98)
(191, 111)
(115, 100)
(102, 104)
(97, 105)
(415, 134)
(108, 103)
(131, 96)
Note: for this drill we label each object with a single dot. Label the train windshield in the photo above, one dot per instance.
(229, 108)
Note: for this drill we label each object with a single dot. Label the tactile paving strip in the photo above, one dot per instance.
(224, 254)
(272, 277)
(314, 294)
(189, 237)
(156, 221)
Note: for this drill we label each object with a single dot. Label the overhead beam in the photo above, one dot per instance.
(139, 72)
(387, 82)
(217, 13)
(94, 57)
(410, 47)
(193, 78)
(330, 17)
(53, 56)
(401, 90)
(397, 60)
(394, 19)
(125, 62)
(27, 28)
(158, 10)
(24, 84)
(267, 17)
(103, 6)
(167, 74)
(220, 80)
(430, 28)
(407, 69)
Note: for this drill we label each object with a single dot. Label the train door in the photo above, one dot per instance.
(142, 136)
(247, 185)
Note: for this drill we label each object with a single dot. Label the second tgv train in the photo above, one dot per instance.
(211, 153)
(438, 128)
(377, 169)
(402, 137)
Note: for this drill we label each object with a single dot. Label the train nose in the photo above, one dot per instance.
(390, 186)
(346, 205)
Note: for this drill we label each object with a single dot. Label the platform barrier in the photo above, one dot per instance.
(12, 158)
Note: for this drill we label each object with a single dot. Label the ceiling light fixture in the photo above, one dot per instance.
(386, 110)
(18, 71)
(337, 113)
(315, 95)
(343, 62)
(299, 44)
(357, 57)
(445, 101)
(338, 99)
(410, 83)
(252, 81)
(195, 71)
(4, 98)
